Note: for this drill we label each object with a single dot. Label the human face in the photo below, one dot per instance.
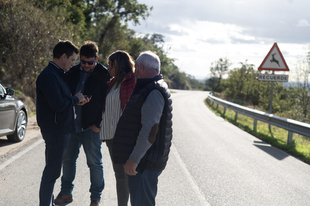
(86, 66)
(68, 62)
(111, 68)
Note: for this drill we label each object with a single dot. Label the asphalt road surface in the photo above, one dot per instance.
(211, 163)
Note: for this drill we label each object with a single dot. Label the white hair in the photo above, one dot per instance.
(149, 60)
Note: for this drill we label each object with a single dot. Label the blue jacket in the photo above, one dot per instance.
(54, 101)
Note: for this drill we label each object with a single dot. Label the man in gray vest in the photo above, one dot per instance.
(144, 132)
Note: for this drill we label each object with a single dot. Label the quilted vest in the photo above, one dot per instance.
(129, 126)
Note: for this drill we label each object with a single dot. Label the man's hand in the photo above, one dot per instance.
(95, 129)
(130, 167)
(83, 99)
(80, 96)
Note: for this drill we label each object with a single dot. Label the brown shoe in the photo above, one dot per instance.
(94, 203)
(63, 199)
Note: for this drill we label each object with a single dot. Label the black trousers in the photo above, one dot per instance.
(55, 147)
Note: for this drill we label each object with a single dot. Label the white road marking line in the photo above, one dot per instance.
(18, 155)
(190, 178)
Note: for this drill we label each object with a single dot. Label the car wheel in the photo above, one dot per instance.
(20, 128)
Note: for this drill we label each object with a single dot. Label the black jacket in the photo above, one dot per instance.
(96, 86)
(129, 126)
(54, 101)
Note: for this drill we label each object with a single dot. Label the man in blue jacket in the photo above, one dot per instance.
(89, 77)
(54, 109)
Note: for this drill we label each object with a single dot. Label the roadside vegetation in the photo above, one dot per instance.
(291, 101)
(277, 137)
(29, 29)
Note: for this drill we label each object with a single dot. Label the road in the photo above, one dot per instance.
(211, 163)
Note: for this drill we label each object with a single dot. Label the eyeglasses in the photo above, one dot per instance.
(89, 63)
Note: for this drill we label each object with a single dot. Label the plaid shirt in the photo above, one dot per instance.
(127, 87)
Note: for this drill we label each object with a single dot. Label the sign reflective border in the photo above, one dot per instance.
(274, 60)
(273, 78)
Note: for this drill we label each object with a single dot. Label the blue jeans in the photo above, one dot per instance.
(92, 147)
(55, 147)
(121, 179)
(143, 187)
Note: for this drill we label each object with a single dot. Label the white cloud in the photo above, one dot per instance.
(303, 23)
(200, 32)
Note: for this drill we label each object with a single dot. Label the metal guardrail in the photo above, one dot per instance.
(288, 124)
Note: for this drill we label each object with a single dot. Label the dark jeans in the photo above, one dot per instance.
(121, 179)
(143, 187)
(55, 147)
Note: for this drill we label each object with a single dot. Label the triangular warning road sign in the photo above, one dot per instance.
(274, 60)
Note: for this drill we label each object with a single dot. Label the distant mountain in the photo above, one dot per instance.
(294, 84)
(290, 84)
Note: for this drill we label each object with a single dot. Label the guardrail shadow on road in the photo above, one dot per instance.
(273, 151)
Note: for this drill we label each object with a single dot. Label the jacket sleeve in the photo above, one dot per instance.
(151, 113)
(53, 91)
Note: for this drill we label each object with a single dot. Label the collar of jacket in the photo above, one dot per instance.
(144, 81)
(56, 67)
(129, 75)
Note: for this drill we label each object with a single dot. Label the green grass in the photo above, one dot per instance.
(277, 137)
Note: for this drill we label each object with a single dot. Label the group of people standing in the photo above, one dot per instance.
(126, 105)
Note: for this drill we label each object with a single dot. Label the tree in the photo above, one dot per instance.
(27, 37)
(237, 81)
(29, 29)
(210, 82)
(218, 69)
(116, 11)
(299, 94)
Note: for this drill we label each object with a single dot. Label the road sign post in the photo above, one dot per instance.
(271, 96)
(274, 61)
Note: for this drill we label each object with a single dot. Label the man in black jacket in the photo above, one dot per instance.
(55, 114)
(90, 78)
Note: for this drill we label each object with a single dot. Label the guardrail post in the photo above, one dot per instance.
(290, 137)
(236, 116)
(255, 125)
(217, 106)
(224, 112)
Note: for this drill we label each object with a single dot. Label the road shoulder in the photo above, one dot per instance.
(8, 148)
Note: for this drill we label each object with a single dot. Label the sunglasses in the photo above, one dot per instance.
(89, 63)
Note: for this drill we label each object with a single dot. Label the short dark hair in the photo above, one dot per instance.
(89, 49)
(64, 47)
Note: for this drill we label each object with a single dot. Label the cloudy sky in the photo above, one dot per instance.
(200, 32)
